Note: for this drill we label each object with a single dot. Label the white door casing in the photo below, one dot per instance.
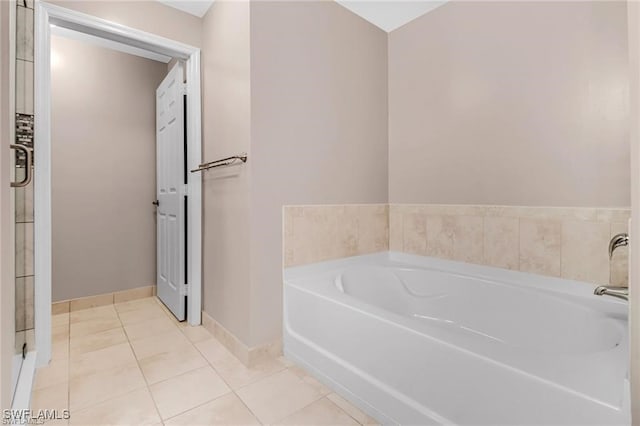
(47, 14)
(171, 192)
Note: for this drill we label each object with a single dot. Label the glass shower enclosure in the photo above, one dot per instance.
(22, 186)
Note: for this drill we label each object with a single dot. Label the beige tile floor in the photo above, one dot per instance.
(133, 364)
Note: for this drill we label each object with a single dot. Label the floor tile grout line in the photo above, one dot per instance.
(155, 404)
(69, 369)
(199, 405)
(102, 401)
(234, 391)
(213, 367)
(178, 375)
(302, 408)
(79, 351)
(262, 378)
(324, 395)
(111, 398)
(182, 374)
(172, 377)
(255, 416)
(345, 411)
(310, 403)
(229, 352)
(106, 329)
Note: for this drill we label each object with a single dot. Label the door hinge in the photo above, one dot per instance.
(184, 290)
(184, 89)
(184, 190)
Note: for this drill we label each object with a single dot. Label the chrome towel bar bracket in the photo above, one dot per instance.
(234, 159)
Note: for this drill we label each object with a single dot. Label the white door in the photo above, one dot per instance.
(171, 198)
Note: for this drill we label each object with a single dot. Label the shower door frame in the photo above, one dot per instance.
(7, 207)
(46, 15)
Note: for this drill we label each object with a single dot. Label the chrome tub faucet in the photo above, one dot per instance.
(619, 292)
(618, 240)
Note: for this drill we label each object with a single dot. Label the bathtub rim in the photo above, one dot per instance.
(519, 278)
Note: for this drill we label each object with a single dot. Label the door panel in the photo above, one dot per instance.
(170, 142)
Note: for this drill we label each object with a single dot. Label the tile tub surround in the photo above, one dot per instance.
(314, 233)
(562, 242)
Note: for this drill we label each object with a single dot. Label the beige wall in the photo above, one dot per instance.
(318, 128)
(634, 296)
(515, 103)
(226, 131)
(7, 249)
(103, 169)
(150, 16)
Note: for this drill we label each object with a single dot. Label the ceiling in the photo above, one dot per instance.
(390, 14)
(194, 7)
(386, 14)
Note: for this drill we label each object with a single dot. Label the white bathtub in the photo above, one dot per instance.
(417, 340)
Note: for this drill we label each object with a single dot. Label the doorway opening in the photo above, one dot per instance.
(185, 297)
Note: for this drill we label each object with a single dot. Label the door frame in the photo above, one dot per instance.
(46, 15)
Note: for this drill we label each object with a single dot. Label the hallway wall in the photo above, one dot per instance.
(103, 169)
